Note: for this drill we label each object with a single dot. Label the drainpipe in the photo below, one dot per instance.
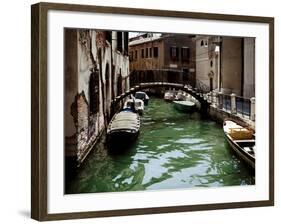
(112, 77)
(233, 103)
(253, 112)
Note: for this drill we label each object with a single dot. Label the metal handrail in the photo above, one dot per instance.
(243, 106)
(226, 102)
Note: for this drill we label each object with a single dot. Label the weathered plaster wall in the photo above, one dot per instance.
(89, 54)
(249, 67)
(231, 65)
(71, 80)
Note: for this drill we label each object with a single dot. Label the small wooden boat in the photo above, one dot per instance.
(142, 96)
(122, 130)
(134, 105)
(184, 106)
(241, 140)
(169, 95)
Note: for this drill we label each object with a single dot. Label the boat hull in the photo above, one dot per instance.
(145, 102)
(241, 141)
(244, 156)
(183, 108)
(120, 141)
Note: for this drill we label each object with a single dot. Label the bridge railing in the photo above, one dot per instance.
(202, 87)
(161, 75)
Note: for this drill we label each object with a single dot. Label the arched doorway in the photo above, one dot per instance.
(211, 78)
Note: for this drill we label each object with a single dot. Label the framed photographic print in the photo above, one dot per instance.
(138, 111)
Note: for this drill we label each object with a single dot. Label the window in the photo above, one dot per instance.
(174, 53)
(202, 43)
(185, 54)
(131, 56)
(155, 52)
(142, 53)
(108, 36)
(150, 52)
(136, 54)
(146, 53)
(119, 83)
(119, 42)
(126, 43)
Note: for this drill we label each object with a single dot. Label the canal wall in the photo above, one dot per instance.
(219, 115)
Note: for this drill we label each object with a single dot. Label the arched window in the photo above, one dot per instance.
(119, 83)
(94, 92)
(107, 81)
(113, 81)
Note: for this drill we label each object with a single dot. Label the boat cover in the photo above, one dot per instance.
(124, 120)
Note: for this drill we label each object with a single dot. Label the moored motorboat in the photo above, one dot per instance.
(180, 96)
(241, 140)
(184, 106)
(169, 95)
(135, 105)
(142, 96)
(122, 130)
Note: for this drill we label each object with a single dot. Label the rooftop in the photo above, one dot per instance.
(144, 40)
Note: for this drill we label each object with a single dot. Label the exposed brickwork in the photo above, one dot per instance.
(100, 39)
(80, 113)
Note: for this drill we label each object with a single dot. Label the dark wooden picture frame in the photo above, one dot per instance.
(39, 106)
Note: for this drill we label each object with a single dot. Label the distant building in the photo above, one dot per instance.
(207, 61)
(238, 66)
(96, 70)
(226, 64)
(172, 53)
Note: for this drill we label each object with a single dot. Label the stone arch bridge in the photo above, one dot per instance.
(197, 93)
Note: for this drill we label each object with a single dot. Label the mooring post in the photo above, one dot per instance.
(253, 106)
(216, 99)
(233, 103)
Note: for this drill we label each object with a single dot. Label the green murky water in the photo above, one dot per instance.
(174, 150)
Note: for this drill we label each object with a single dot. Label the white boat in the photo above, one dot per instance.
(241, 140)
(181, 96)
(134, 105)
(142, 96)
(169, 95)
(184, 106)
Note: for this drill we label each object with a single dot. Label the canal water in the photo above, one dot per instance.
(174, 150)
